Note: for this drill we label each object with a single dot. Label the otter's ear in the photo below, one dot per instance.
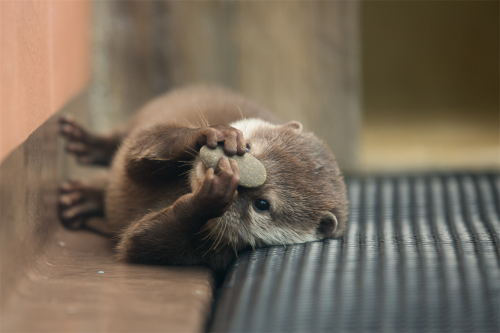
(295, 125)
(327, 225)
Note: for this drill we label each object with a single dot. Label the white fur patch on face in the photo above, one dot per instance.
(249, 126)
(265, 233)
(227, 229)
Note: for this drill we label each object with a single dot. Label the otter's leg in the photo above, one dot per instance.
(88, 147)
(161, 147)
(168, 236)
(80, 200)
(177, 143)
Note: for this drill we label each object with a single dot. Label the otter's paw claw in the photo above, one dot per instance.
(78, 140)
(75, 205)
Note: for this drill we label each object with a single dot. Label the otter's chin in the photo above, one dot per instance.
(197, 174)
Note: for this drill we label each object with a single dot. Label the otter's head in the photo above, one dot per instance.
(303, 198)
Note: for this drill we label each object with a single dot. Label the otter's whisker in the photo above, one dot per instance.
(199, 116)
(221, 236)
(156, 159)
(205, 242)
(187, 121)
(212, 231)
(221, 233)
(209, 248)
(186, 165)
(241, 113)
(182, 189)
(205, 228)
(221, 246)
(196, 152)
(207, 238)
(234, 248)
(205, 118)
(202, 117)
(190, 153)
(159, 169)
(185, 173)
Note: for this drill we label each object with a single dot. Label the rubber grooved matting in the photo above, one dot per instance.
(421, 254)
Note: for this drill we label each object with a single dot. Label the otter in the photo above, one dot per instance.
(165, 207)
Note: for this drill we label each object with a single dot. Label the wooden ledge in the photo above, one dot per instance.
(78, 286)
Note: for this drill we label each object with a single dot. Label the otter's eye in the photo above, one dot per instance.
(261, 205)
(247, 148)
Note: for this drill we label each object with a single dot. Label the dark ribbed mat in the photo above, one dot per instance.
(421, 254)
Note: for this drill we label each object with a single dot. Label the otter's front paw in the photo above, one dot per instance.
(234, 142)
(218, 191)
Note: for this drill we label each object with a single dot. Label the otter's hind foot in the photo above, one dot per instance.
(78, 202)
(89, 148)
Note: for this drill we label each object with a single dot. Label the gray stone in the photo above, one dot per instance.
(252, 171)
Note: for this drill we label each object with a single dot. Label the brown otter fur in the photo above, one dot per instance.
(167, 208)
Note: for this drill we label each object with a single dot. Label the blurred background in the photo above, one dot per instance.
(390, 85)
(430, 83)
(300, 59)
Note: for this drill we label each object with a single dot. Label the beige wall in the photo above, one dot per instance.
(431, 85)
(45, 62)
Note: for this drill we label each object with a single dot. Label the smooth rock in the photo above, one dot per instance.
(252, 171)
